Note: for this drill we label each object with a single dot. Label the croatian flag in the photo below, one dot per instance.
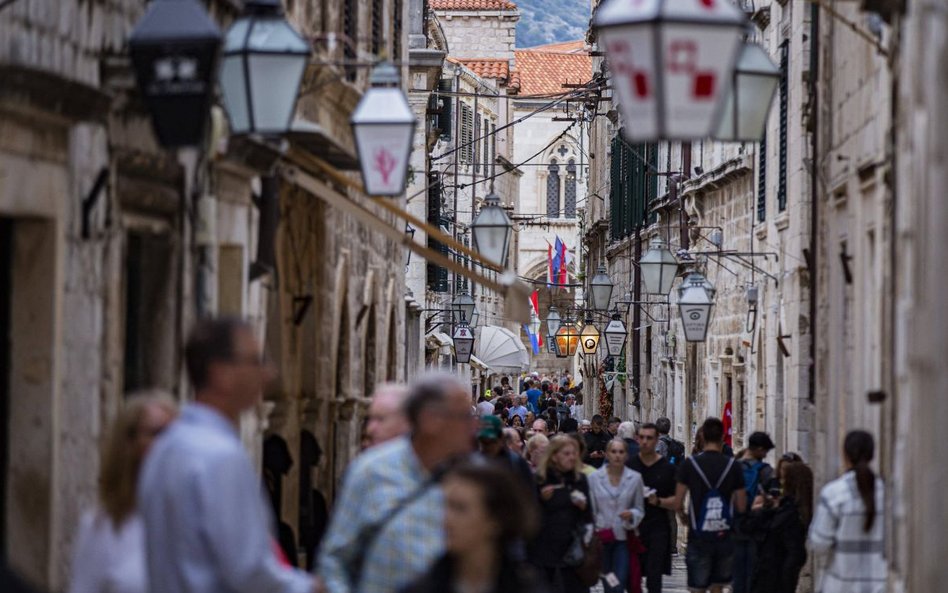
(565, 258)
(559, 261)
(536, 340)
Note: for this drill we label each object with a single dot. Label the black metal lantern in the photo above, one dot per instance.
(492, 230)
(174, 50)
(659, 268)
(553, 322)
(750, 96)
(600, 290)
(410, 232)
(263, 65)
(567, 340)
(463, 343)
(463, 306)
(671, 62)
(615, 335)
(384, 128)
(695, 301)
(589, 337)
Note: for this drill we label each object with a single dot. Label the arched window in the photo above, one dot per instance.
(553, 190)
(569, 207)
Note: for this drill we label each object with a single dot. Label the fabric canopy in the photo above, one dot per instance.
(501, 350)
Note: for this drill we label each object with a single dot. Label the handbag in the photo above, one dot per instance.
(606, 536)
(576, 551)
(588, 572)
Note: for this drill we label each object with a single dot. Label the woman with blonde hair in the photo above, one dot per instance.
(565, 509)
(536, 449)
(110, 548)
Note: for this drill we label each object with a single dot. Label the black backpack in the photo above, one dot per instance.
(676, 449)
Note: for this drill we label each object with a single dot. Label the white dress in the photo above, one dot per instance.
(109, 560)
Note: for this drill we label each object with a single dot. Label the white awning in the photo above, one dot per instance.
(501, 350)
(479, 364)
(440, 341)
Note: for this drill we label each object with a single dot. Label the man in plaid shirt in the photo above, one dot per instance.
(387, 529)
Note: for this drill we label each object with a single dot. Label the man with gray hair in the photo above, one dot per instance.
(387, 529)
(386, 419)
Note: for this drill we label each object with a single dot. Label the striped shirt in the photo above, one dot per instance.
(855, 560)
(411, 538)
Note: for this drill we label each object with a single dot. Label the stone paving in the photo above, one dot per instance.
(676, 583)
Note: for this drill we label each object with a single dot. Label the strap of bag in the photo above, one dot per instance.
(701, 475)
(724, 474)
(370, 533)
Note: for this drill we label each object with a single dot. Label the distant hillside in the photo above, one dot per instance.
(551, 21)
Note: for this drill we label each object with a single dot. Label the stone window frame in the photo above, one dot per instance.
(562, 152)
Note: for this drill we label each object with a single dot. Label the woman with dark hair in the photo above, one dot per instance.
(515, 421)
(847, 528)
(486, 514)
(778, 522)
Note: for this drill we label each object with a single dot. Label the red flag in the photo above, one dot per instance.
(728, 425)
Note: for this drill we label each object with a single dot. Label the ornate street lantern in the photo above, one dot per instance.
(174, 50)
(589, 337)
(263, 65)
(492, 230)
(600, 289)
(750, 96)
(567, 340)
(463, 306)
(384, 128)
(553, 322)
(671, 62)
(659, 268)
(463, 343)
(695, 301)
(615, 335)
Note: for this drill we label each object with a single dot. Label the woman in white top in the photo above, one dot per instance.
(847, 526)
(110, 549)
(618, 505)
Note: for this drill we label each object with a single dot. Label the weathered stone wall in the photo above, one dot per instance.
(480, 34)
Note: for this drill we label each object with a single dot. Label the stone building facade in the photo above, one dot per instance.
(113, 247)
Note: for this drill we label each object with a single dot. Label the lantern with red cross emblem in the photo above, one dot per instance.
(671, 63)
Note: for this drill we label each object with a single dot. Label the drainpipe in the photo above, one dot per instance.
(814, 186)
(637, 322)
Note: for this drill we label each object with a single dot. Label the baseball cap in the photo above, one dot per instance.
(760, 439)
(491, 428)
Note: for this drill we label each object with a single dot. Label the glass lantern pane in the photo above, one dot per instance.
(274, 85)
(694, 321)
(275, 35)
(631, 51)
(234, 90)
(384, 151)
(698, 64)
(236, 35)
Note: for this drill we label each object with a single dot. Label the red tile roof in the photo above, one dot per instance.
(503, 5)
(488, 68)
(513, 85)
(545, 69)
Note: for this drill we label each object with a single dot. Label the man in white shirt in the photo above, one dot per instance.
(207, 526)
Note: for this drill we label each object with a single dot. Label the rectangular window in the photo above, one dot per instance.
(487, 141)
(437, 276)
(632, 186)
(350, 26)
(762, 180)
(445, 116)
(397, 29)
(467, 134)
(377, 18)
(784, 103)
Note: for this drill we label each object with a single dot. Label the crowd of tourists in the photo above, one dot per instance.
(513, 493)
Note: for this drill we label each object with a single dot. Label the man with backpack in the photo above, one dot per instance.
(715, 485)
(758, 476)
(673, 451)
(669, 448)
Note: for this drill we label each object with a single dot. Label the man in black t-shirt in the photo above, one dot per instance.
(658, 475)
(710, 554)
(596, 442)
